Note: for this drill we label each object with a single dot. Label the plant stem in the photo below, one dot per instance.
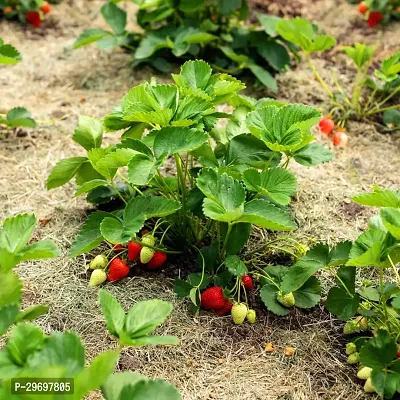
(228, 233)
(157, 248)
(126, 181)
(383, 109)
(371, 97)
(394, 269)
(318, 76)
(356, 89)
(118, 192)
(377, 108)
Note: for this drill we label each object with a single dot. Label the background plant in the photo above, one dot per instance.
(372, 94)
(372, 305)
(379, 11)
(62, 354)
(25, 11)
(18, 116)
(175, 31)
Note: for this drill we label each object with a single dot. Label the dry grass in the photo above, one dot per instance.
(215, 359)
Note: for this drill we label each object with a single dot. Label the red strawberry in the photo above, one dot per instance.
(362, 8)
(213, 298)
(374, 18)
(398, 353)
(133, 251)
(340, 139)
(326, 125)
(33, 18)
(157, 261)
(118, 248)
(247, 282)
(45, 8)
(118, 270)
(225, 309)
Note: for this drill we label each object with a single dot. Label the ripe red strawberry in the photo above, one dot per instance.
(374, 18)
(213, 298)
(45, 8)
(118, 248)
(33, 18)
(118, 270)
(133, 251)
(340, 139)
(326, 125)
(225, 309)
(247, 282)
(362, 8)
(157, 260)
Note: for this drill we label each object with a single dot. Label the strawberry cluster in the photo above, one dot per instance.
(373, 17)
(327, 127)
(214, 299)
(33, 16)
(118, 268)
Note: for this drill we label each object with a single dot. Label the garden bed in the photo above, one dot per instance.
(216, 359)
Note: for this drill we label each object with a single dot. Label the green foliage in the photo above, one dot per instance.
(372, 94)
(210, 30)
(9, 55)
(62, 354)
(389, 10)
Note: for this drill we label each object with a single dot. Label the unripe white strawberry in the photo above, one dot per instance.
(99, 262)
(364, 373)
(287, 300)
(251, 316)
(353, 358)
(146, 254)
(97, 278)
(368, 388)
(148, 239)
(239, 313)
(351, 348)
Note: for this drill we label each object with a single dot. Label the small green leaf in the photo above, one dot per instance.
(172, 140)
(359, 53)
(309, 294)
(112, 230)
(391, 220)
(268, 294)
(8, 315)
(32, 313)
(89, 237)
(264, 77)
(196, 73)
(182, 288)
(342, 304)
(378, 198)
(264, 214)
(313, 154)
(236, 266)
(145, 316)
(113, 313)
(115, 17)
(9, 55)
(90, 36)
(88, 133)
(89, 186)
(39, 250)
(277, 183)
(269, 23)
(10, 289)
(20, 116)
(96, 374)
(150, 389)
(115, 383)
(64, 171)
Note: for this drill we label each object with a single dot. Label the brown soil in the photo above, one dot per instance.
(215, 360)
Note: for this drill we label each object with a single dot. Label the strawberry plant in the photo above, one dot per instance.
(226, 178)
(211, 30)
(62, 354)
(31, 12)
(372, 95)
(368, 306)
(378, 12)
(18, 116)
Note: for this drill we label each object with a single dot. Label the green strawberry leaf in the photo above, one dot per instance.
(342, 304)
(313, 154)
(141, 169)
(32, 313)
(115, 17)
(225, 196)
(359, 53)
(150, 389)
(20, 116)
(309, 294)
(8, 315)
(90, 185)
(113, 313)
(88, 133)
(277, 183)
(96, 374)
(10, 289)
(391, 220)
(264, 77)
(264, 214)
(9, 55)
(89, 237)
(182, 288)
(64, 171)
(378, 198)
(145, 316)
(39, 250)
(115, 383)
(90, 36)
(236, 266)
